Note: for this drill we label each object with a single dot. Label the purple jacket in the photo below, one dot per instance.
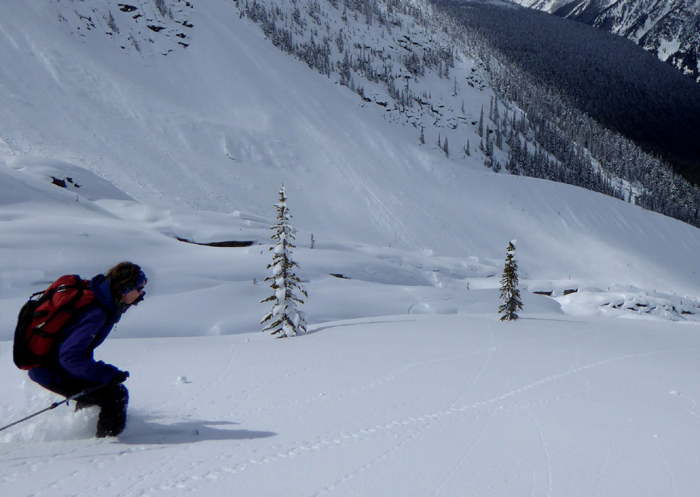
(90, 327)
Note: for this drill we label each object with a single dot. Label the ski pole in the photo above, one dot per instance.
(55, 405)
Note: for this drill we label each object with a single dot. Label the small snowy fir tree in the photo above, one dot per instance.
(510, 294)
(285, 320)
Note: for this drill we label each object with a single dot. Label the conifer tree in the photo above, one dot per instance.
(510, 294)
(446, 148)
(284, 319)
(421, 140)
(480, 129)
(344, 70)
(489, 143)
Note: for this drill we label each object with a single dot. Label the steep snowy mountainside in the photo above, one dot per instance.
(405, 64)
(220, 124)
(608, 86)
(408, 58)
(160, 27)
(546, 5)
(668, 28)
(391, 54)
(671, 30)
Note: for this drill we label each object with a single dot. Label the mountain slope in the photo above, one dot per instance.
(390, 55)
(220, 124)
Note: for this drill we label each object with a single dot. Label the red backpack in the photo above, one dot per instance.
(43, 318)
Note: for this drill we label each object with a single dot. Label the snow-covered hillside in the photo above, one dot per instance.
(411, 405)
(408, 382)
(222, 123)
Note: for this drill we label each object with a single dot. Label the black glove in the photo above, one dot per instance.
(120, 377)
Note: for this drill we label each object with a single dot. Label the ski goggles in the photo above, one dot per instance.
(140, 284)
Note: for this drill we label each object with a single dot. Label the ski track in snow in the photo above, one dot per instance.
(423, 423)
(328, 400)
(671, 476)
(545, 451)
(408, 429)
(215, 382)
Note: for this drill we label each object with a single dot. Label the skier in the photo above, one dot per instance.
(72, 368)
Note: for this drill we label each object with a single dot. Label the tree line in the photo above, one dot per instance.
(592, 101)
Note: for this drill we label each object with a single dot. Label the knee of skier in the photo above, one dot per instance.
(122, 395)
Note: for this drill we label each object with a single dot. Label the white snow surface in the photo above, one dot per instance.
(408, 405)
(407, 382)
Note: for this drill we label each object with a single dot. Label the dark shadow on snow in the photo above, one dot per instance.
(140, 432)
(331, 326)
(551, 319)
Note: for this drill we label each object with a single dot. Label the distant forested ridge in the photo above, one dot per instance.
(607, 77)
(669, 29)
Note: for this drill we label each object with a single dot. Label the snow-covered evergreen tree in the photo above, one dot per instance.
(284, 319)
(510, 294)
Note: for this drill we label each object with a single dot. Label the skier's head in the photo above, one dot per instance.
(126, 282)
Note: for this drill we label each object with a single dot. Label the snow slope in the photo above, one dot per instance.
(188, 130)
(411, 405)
(407, 384)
